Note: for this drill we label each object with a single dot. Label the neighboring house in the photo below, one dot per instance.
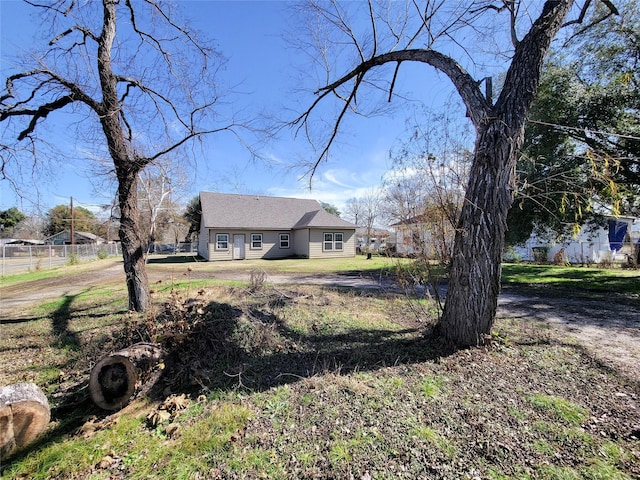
(371, 240)
(235, 227)
(79, 238)
(410, 234)
(422, 235)
(617, 241)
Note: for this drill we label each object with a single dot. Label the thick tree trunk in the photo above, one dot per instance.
(132, 244)
(474, 281)
(127, 167)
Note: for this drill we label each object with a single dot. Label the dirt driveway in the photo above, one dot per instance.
(609, 331)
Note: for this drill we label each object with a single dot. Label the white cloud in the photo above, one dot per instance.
(334, 186)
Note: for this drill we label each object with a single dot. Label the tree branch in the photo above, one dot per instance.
(133, 82)
(186, 33)
(522, 78)
(43, 110)
(466, 86)
(85, 33)
(48, 6)
(186, 138)
(612, 11)
(583, 12)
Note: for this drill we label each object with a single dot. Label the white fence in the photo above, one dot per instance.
(27, 258)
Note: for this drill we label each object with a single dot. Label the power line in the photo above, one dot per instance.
(588, 130)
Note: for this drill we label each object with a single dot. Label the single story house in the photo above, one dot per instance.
(79, 238)
(235, 227)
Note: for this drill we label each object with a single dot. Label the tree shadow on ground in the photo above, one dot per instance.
(218, 346)
(60, 322)
(549, 339)
(255, 349)
(564, 308)
(72, 410)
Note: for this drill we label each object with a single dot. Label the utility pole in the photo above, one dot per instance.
(71, 232)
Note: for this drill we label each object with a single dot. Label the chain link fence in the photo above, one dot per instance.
(29, 258)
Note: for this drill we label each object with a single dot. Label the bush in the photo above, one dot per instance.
(540, 254)
(102, 254)
(511, 256)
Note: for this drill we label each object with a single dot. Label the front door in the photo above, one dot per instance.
(238, 247)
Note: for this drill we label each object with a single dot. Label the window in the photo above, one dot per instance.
(328, 241)
(222, 241)
(256, 241)
(284, 240)
(333, 241)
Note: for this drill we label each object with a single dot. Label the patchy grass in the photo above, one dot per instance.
(56, 272)
(573, 280)
(315, 382)
(560, 408)
(298, 265)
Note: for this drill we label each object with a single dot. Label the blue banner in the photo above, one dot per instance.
(617, 232)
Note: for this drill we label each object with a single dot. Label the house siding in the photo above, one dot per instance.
(217, 255)
(203, 242)
(301, 243)
(316, 240)
(305, 243)
(270, 245)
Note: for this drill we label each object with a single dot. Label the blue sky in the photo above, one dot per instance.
(250, 35)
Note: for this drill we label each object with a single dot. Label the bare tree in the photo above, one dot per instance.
(370, 212)
(422, 32)
(140, 76)
(160, 184)
(354, 210)
(425, 187)
(364, 212)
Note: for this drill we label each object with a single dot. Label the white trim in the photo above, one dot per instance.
(219, 248)
(251, 245)
(281, 240)
(330, 242)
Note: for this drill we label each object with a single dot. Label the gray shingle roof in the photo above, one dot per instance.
(223, 210)
(89, 235)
